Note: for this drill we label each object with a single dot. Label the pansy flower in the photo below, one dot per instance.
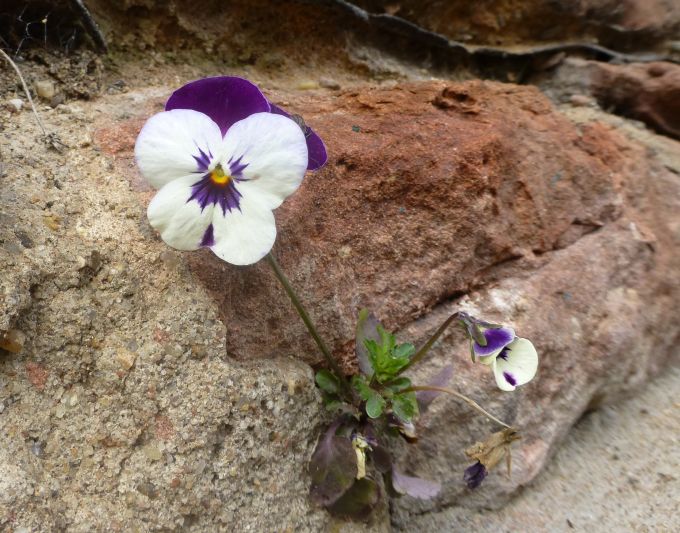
(513, 359)
(223, 158)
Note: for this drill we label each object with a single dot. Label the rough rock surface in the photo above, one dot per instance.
(506, 22)
(509, 178)
(586, 306)
(121, 411)
(127, 412)
(647, 92)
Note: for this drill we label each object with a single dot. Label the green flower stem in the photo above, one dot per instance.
(460, 396)
(305, 318)
(426, 347)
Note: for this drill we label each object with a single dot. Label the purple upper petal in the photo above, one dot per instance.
(496, 339)
(225, 99)
(316, 149)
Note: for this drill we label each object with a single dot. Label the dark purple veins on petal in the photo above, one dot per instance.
(209, 236)
(495, 340)
(206, 192)
(474, 475)
(510, 378)
(203, 159)
(316, 149)
(225, 99)
(236, 167)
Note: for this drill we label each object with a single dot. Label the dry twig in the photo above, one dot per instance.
(52, 139)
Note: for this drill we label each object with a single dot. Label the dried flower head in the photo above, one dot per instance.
(488, 454)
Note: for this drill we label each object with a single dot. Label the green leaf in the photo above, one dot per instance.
(389, 359)
(405, 350)
(375, 405)
(331, 402)
(362, 388)
(367, 329)
(387, 340)
(333, 467)
(398, 384)
(380, 350)
(337, 406)
(358, 501)
(327, 381)
(374, 351)
(405, 406)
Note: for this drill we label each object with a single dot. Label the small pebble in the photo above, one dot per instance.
(345, 251)
(52, 221)
(72, 400)
(37, 449)
(581, 100)
(126, 359)
(15, 105)
(57, 100)
(45, 89)
(12, 340)
(329, 83)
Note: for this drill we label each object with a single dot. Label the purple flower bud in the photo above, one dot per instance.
(474, 475)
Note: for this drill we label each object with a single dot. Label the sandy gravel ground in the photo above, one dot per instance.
(617, 471)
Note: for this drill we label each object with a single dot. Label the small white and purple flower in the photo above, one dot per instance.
(223, 158)
(514, 360)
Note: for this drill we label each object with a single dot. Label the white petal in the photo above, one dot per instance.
(519, 367)
(246, 236)
(181, 224)
(275, 150)
(168, 141)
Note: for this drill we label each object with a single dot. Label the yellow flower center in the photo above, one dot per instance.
(219, 177)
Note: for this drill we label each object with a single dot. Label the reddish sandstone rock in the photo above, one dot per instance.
(648, 92)
(615, 23)
(601, 312)
(429, 189)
